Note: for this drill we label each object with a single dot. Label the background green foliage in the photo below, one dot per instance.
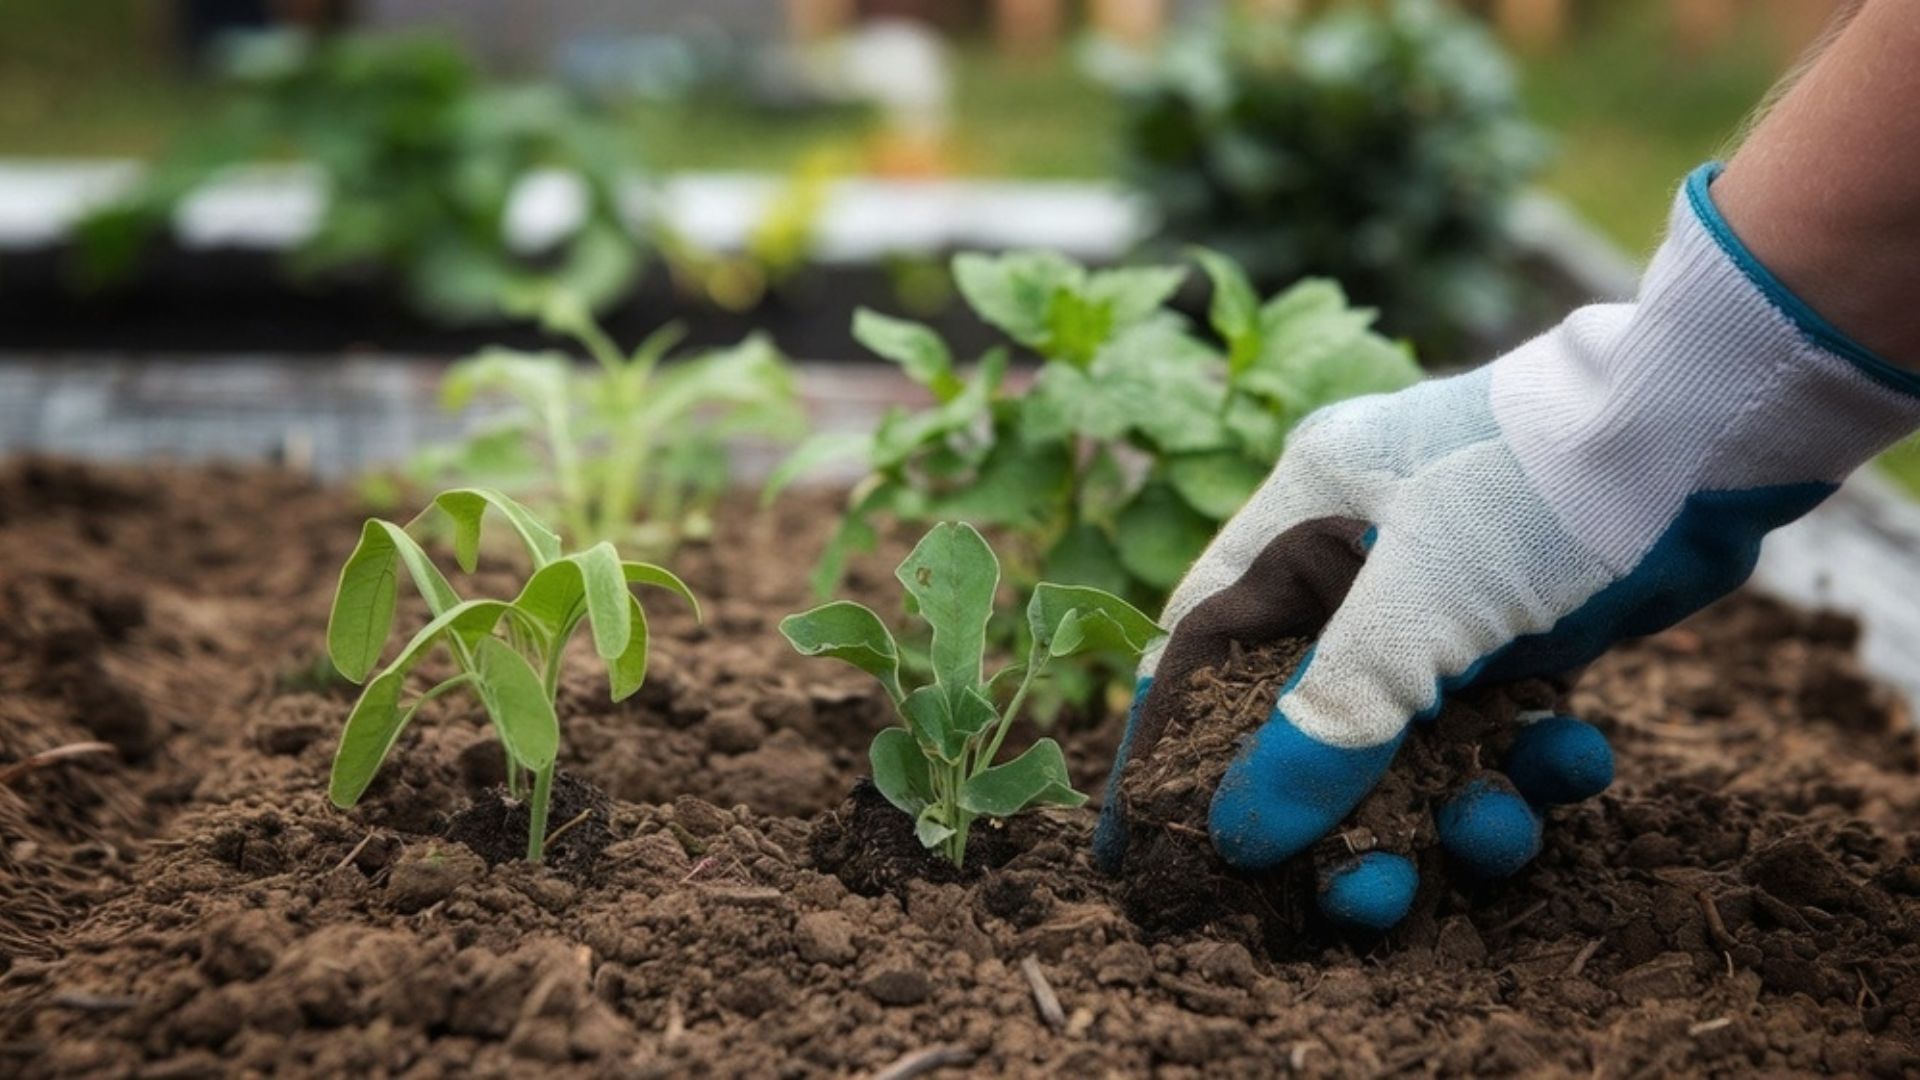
(418, 158)
(630, 450)
(1377, 146)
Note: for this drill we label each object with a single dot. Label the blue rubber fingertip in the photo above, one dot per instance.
(1560, 759)
(1110, 832)
(1285, 789)
(1489, 830)
(1373, 892)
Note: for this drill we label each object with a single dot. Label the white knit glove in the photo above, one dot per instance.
(1602, 481)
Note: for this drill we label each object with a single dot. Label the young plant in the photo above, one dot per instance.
(1137, 438)
(938, 765)
(630, 450)
(507, 653)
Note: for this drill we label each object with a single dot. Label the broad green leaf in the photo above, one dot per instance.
(914, 346)
(1015, 291)
(1035, 778)
(1017, 485)
(376, 720)
(901, 433)
(1077, 326)
(1134, 293)
(951, 574)
(1316, 350)
(1159, 536)
(818, 450)
(900, 770)
(930, 829)
(645, 573)
(847, 631)
(1161, 382)
(1085, 556)
(1069, 619)
(973, 713)
(364, 600)
(467, 506)
(1235, 311)
(591, 583)
(517, 701)
(628, 671)
(1218, 483)
(928, 714)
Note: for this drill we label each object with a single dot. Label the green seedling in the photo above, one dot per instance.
(938, 765)
(629, 450)
(1138, 437)
(507, 653)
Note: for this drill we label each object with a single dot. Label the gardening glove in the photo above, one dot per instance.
(1602, 481)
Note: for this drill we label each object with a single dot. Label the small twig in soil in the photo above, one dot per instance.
(676, 1023)
(354, 854)
(1043, 996)
(1705, 1026)
(1532, 909)
(554, 836)
(925, 1061)
(47, 757)
(1717, 928)
(87, 1001)
(697, 869)
(1866, 993)
(1580, 958)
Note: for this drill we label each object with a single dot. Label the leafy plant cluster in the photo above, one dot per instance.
(1137, 436)
(1377, 144)
(419, 160)
(626, 450)
(938, 766)
(507, 653)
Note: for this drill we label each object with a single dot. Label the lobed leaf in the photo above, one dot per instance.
(849, 632)
(1036, 778)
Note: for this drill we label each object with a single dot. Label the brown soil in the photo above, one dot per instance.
(1172, 879)
(1746, 899)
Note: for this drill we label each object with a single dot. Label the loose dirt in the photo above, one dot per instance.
(1745, 899)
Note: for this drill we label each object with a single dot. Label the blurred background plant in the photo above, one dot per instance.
(625, 450)
(419, 159)
(1381, 147)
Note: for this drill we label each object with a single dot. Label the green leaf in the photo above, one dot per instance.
(1218, 483)
(376, 720)
(591, 583)
(1015, 291)
(628, 671)
(900, 771)
(1085, 556)
(847, 631)
(516, 699)
(1035, 778)
(951, 574)
(645, 573)
(1133, 294)
(1069, 619)
(1162, 382)
(928, 714)
(930, 829)
(915, 347)
(1316, 350)
(1159, 536)
(853, 534)
(1235, 311)
(364, 601)
(465, 507)
(538, 380)
(903, 433)
(817, 450)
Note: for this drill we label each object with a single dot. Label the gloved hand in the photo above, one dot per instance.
(1602, 481)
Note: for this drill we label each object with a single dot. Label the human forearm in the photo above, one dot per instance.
(1825, 192)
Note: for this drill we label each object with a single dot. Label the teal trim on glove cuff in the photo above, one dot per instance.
(1809, 322)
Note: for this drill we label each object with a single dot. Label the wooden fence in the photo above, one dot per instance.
(1037, 26)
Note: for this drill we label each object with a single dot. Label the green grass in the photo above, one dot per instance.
(1632, 113)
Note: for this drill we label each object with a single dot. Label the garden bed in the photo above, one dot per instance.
(1746, 898)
